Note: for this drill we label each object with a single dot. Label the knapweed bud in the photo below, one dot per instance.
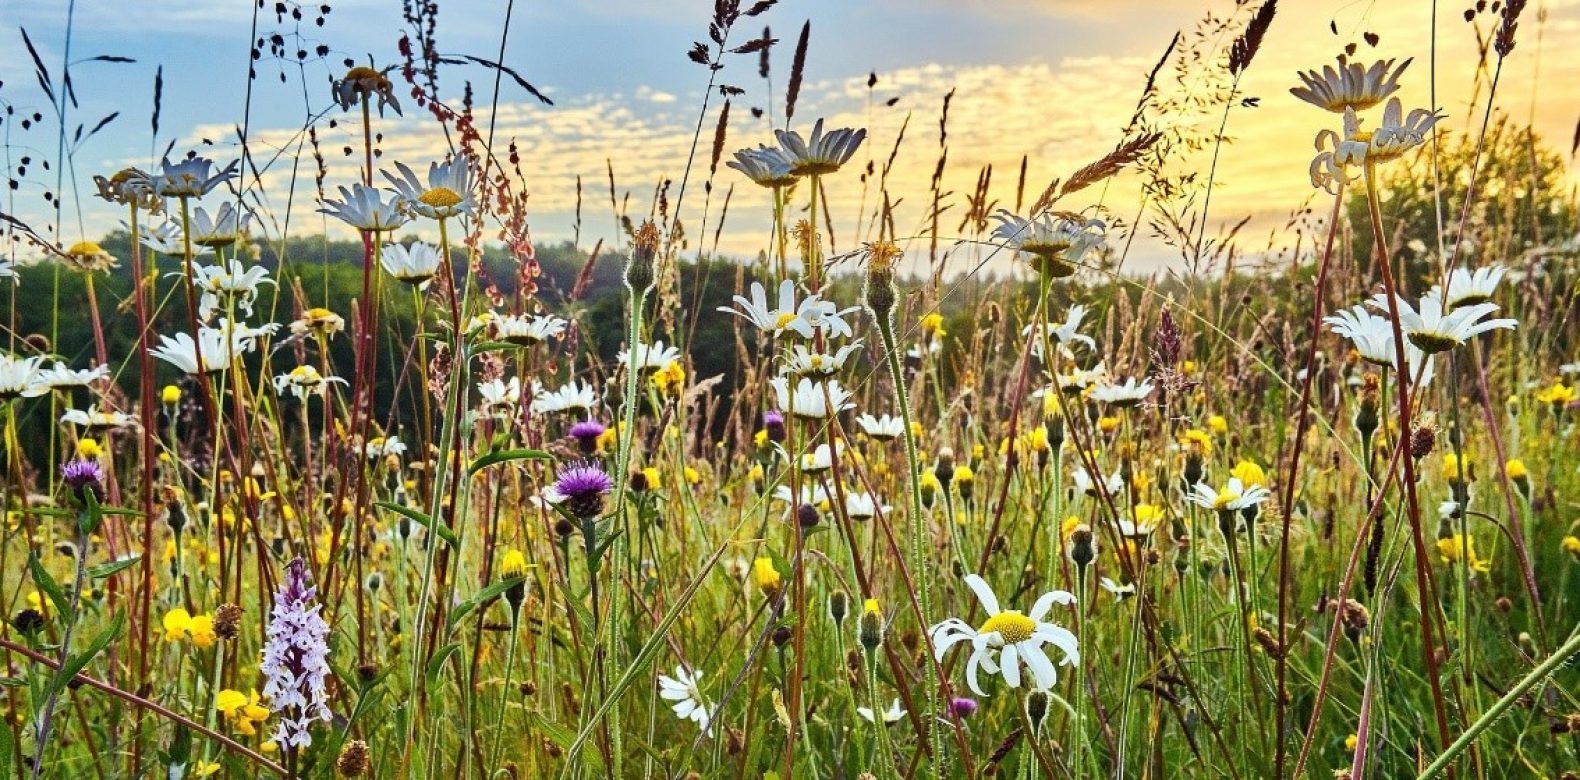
(354, 759)
(869, 628)
(963, 707)
(1082, 546)
(82, 477)
(1423, 440)
(227, 621)
(1036, 709)
(838, 607)
(880, 293)
(639, 271)
(586, 434)
(774, 424)
(806, 516)
(1366, 412)
(29, 623)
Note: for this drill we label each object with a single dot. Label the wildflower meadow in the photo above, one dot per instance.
(321, 461)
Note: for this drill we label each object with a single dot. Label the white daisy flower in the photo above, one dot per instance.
(573, 396)
(209, 353)
(890, 715)
(499, 395)
(810, 494)
(1433, 330)
(528, 331)
(864, 506)
(1372, 337)
(883, 428)
(8, 270)
(800, 361)
(1122, 395)
(384, 446)
(1468, 288)
(61, 376)
(364, 208)
(807, 400)
(167, 239)
(1233, 495)
(304, 380)
(1077, 380)
(683, 689)
(413, 264)
(1120, 592)
(822, 153)
(225, 228)
(802, 319)
(1052, 243)
(226, 284)
(95, 419)
(766, 166)
(1014, 638)
(650, 357)
(448, 193)
(1086, 485)
(1350, 86)
(1062, 333)
(19, 377)
(190, 178)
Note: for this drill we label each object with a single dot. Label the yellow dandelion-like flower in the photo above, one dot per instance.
(766, 577)
(1249, 473)
(933, 325)
(1459, 548)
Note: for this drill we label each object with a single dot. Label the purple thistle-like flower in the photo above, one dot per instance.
(774, 424)
(296, 659)
(586, 434)
(82, 475)
(963, 707)
(583, 486)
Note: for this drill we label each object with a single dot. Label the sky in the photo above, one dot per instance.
(1053, 80)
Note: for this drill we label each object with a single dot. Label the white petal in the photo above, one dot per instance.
(984, 593)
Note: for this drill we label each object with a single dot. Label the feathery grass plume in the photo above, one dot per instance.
(797, 68)
(1249, 43)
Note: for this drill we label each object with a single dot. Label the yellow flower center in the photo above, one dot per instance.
(440, 197)
(1224, 497)
(85, 249)
(784, 321)
(1011, 625)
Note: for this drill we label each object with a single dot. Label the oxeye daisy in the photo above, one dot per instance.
(1086, 485)
(1434, 330)
(1398, 133)
(129, 187)
(190, 178)
(19, 377)
(414, 264)
(304, 380)
(684, 691)
(863, 506)
(362, 82)
(228, 284)
(1061, 333)
(1234, 495)
(499, 395)
(822, 153)
(1123, 395)
(650, 357)
(61, 376)
(766, 166)
(1372, 337)
(1009, 638)
(223, 229)
(95, 419)
(1350, 85)
(800, 318)
(807, 400)
(572, 396)
(364, 208)
(209, 353)
(891, 715)
(802, 362)
(448, 192)
(883, 428)
(528, 331)
(319, 322)
(1052, 243)
(88, 257)
(1469, 288)
(167, 239)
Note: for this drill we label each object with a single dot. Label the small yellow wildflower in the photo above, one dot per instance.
(1453, 549)
(1515, 469)
(1571, 545)
(1107, 423)
(933, 325)
(242, 711)
(1557, 395)
(513, 565)
(1197, 438)
(1456, 469)
(88, 449)
(766, 576)
(1249, 473)
(1217, 424)
(171, 395)
(691, 475)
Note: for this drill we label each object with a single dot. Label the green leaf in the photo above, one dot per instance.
(78, 662)
(50, 587)
(108, 569)
(436, 664)
(501, 456)
(423, 520)
(565, 740)
(482, 597)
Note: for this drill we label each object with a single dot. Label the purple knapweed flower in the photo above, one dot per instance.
(586, 434)
(83, 475)
(774, 424)
(582, 486)
(296, 659)
(963, 707)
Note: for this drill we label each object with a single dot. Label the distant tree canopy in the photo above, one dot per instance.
(1520, 204)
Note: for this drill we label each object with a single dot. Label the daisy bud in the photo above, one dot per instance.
(838, 607)
(639, 269)
(1036, 709)
(869, 628)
